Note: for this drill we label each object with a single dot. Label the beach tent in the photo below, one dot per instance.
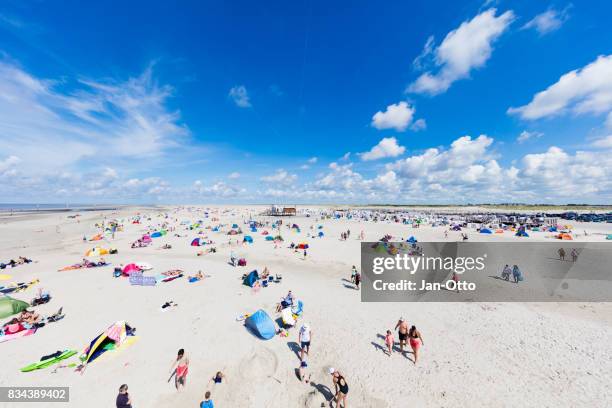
(521, 233)
(197, 242)
(553, 229)
(251, 278)
(302, 245)
(485, 231)
(566, 237)
(412, 240)
(156, 234)
(269, 238)
(97, 251)
(260, 324)
(146, 239)
(216, 229)
(248, 238)
(234, 225)
(609, 236)
(321, 234)
(287, 317)
(253, 229)
(232, 232)
(109, 339)
(10, 306)
(129, 268)
(456, 228)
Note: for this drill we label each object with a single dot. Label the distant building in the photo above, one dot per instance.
(277, 210)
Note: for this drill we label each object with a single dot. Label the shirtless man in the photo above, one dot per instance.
(402, 331)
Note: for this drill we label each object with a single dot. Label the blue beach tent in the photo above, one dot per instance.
(261, 325)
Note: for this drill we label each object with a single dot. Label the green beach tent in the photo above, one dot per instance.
(10, 306)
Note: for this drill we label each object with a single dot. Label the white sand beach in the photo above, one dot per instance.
(474, 354)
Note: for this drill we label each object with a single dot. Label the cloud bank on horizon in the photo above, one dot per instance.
(511, 130)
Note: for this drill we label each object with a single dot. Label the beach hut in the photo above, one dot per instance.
(10, 306)
(261, 325)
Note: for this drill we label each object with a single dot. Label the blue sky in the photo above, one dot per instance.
(308, 102)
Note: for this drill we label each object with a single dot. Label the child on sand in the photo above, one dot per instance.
(302, 371)
(389, 341)
(207, 403)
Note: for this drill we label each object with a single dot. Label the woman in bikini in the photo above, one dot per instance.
(416, 341)
(181, 368)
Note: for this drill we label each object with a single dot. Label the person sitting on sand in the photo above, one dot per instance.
(123, 398)
(180, 368)
(416, 341)
(287, 301)
(265, 274)
(402, 331)
(389, 341)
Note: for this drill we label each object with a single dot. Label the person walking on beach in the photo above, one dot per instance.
(402, 331)
(574, 254)
(506, 272)
(561, 253)
(357, 280)
(340, 386)
(353, 274)
(389, 341)
(180, 368)
(123, 398)
(304, 337)
(207, 403)
(416, 341)
(516, 274)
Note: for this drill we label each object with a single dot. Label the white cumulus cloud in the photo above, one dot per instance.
(397, 116)
(466, 48)
(387, 147)
(582, 91)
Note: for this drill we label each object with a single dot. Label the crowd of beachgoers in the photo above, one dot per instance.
(114, 294)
